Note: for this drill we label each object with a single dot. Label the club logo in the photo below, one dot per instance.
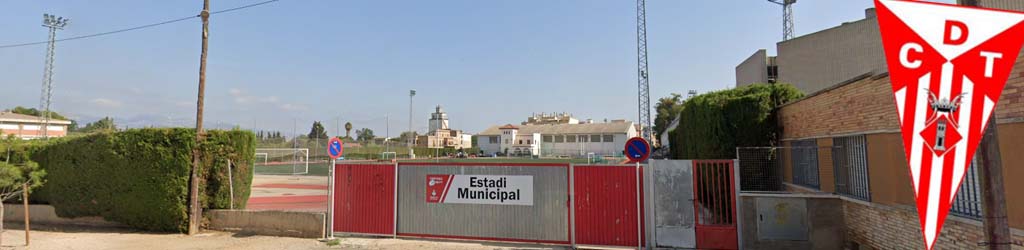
(948, 66)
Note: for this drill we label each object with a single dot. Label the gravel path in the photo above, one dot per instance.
(93, 238)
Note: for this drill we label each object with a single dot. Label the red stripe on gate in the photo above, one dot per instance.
(364, 198)
(606, 204)
(447, 186)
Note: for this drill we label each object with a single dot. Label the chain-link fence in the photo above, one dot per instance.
(760, 168)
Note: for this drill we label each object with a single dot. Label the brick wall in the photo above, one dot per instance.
(867, 105)
(876, 226)
(864, 105)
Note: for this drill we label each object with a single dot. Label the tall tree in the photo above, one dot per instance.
(348, 130)
(668, 109)
(364, 135)
(105, 124)
(317, 131)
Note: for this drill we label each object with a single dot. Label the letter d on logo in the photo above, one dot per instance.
(961, 36)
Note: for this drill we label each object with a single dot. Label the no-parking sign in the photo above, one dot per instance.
(637, 149)
(335, 148)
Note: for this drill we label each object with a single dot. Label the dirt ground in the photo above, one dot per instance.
(94, 238)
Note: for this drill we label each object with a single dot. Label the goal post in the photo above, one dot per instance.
(282, 161)
(384, 155)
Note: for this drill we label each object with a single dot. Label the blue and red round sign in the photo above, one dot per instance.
(335, 148)
(637, 149)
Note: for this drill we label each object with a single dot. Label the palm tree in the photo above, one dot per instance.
(348, 129)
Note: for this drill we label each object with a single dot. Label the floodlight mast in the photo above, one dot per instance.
(52, 23)
(787, 17)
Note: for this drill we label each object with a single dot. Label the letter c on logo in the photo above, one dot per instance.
(905, 57)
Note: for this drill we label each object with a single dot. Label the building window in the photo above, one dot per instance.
(493, 139)
(805, 163)
(520, 141)
(570, 138)
(506, 141)
(583, 138)
(528, 142)
(595, 138)
(609, 138)
(559, 138)
(968, 198)
(850, 158)
(548, 138)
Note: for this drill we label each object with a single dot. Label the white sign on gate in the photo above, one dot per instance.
(480, 189)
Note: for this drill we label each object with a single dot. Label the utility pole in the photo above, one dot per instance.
(387, 134)
(997, 229)
(412, 134)
(53, 23)
(195, 213)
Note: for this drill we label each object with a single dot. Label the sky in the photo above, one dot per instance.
(283, 65)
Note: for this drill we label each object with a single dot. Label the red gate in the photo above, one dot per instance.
(714, 191)
(606, 205)
(365, 198)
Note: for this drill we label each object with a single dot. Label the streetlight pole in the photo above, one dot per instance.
(412, 134)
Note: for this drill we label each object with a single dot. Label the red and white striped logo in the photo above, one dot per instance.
(948, 65)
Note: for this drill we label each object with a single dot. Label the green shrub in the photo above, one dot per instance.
(140, 177)
(712, 125)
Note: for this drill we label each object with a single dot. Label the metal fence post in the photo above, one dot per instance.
(394, 197)
(330, 198)
(639, 239)
(572, 205)
(231, 187)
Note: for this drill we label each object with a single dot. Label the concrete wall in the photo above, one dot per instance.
(753, 70)
(272, 223)
(45, 214)
(1003, 4)
(825, 223)
(819, 60)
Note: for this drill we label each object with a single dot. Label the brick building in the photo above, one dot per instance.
(844, 138)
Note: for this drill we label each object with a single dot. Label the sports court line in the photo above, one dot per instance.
(292, 186)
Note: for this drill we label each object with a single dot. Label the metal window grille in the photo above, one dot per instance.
(968, 198)
(850, 159)
(805, 163)
(760, 169)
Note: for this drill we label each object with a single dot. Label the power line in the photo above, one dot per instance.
(136, 27)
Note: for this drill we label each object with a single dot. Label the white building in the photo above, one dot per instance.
(441, 136)
(30, 127)
(603, 139)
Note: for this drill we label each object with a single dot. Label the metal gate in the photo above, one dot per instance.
(364, 199)
(606, 207)
(714, 188)
(670, 189)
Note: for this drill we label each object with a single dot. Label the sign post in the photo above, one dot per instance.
(638, 150)
(335, 148)
(948, 66)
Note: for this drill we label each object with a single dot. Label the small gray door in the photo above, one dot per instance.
(672, 203)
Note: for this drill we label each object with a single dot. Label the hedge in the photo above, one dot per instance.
(140, 177)
(712, 125)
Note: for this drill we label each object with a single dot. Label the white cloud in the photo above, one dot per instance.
(293, 107)
(106, 103)
(242, 98)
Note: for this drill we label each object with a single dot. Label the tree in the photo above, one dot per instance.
(53, 115)
(105, 124)
(15, 176)
(348, 129)
(317, 131)
(364, 135)
(404, 137)
(668, 109)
